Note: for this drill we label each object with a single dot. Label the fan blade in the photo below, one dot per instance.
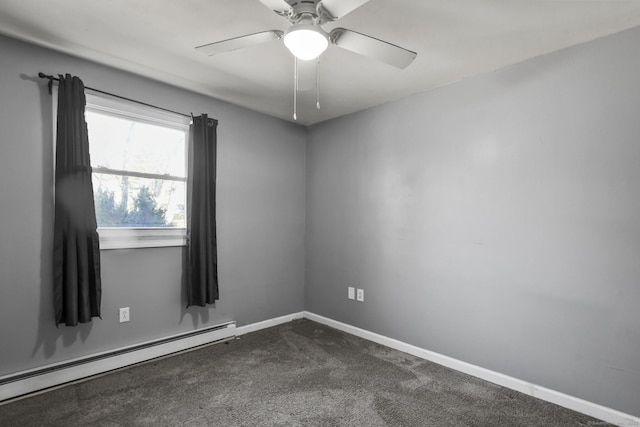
(372, 47)
(339, 8)
(239, 42)
(280, 7)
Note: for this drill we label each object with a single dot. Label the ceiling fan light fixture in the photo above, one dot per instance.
(306, 41)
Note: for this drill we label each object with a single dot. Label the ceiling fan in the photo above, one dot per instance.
(307, 40)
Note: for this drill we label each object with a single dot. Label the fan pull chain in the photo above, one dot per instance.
(318, 83)
(295, 88)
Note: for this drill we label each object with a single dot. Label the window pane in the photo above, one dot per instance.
(123, 144)
(123, 201)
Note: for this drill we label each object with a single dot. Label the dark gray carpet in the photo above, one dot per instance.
(297, 374)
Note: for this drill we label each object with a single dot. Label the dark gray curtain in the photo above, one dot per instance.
(76, 251)
(202, 255)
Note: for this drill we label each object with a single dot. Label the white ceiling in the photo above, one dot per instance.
(454, 39)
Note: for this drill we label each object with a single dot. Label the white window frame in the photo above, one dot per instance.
(130, 238)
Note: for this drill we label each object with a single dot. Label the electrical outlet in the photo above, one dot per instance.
(124, 314)
(351, 294)
(360, 295)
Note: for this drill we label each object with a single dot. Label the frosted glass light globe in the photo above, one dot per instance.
(306, 41)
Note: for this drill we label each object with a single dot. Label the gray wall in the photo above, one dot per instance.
(261, 203)
(495, 220)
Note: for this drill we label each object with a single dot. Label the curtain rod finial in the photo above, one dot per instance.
(44, 76)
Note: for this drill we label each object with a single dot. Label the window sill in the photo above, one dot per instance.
(131, 238)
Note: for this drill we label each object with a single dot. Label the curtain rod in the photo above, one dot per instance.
(51, 79)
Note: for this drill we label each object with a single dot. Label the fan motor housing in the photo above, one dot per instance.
(308, 10)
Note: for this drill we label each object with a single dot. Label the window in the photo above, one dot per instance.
(139, 162)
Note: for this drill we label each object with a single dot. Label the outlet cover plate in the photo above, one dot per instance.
(360, 295)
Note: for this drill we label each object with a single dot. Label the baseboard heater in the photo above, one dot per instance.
(25, 382)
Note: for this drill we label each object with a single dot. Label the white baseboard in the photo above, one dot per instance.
(253, 327)
(53, 375)
(579, 405)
